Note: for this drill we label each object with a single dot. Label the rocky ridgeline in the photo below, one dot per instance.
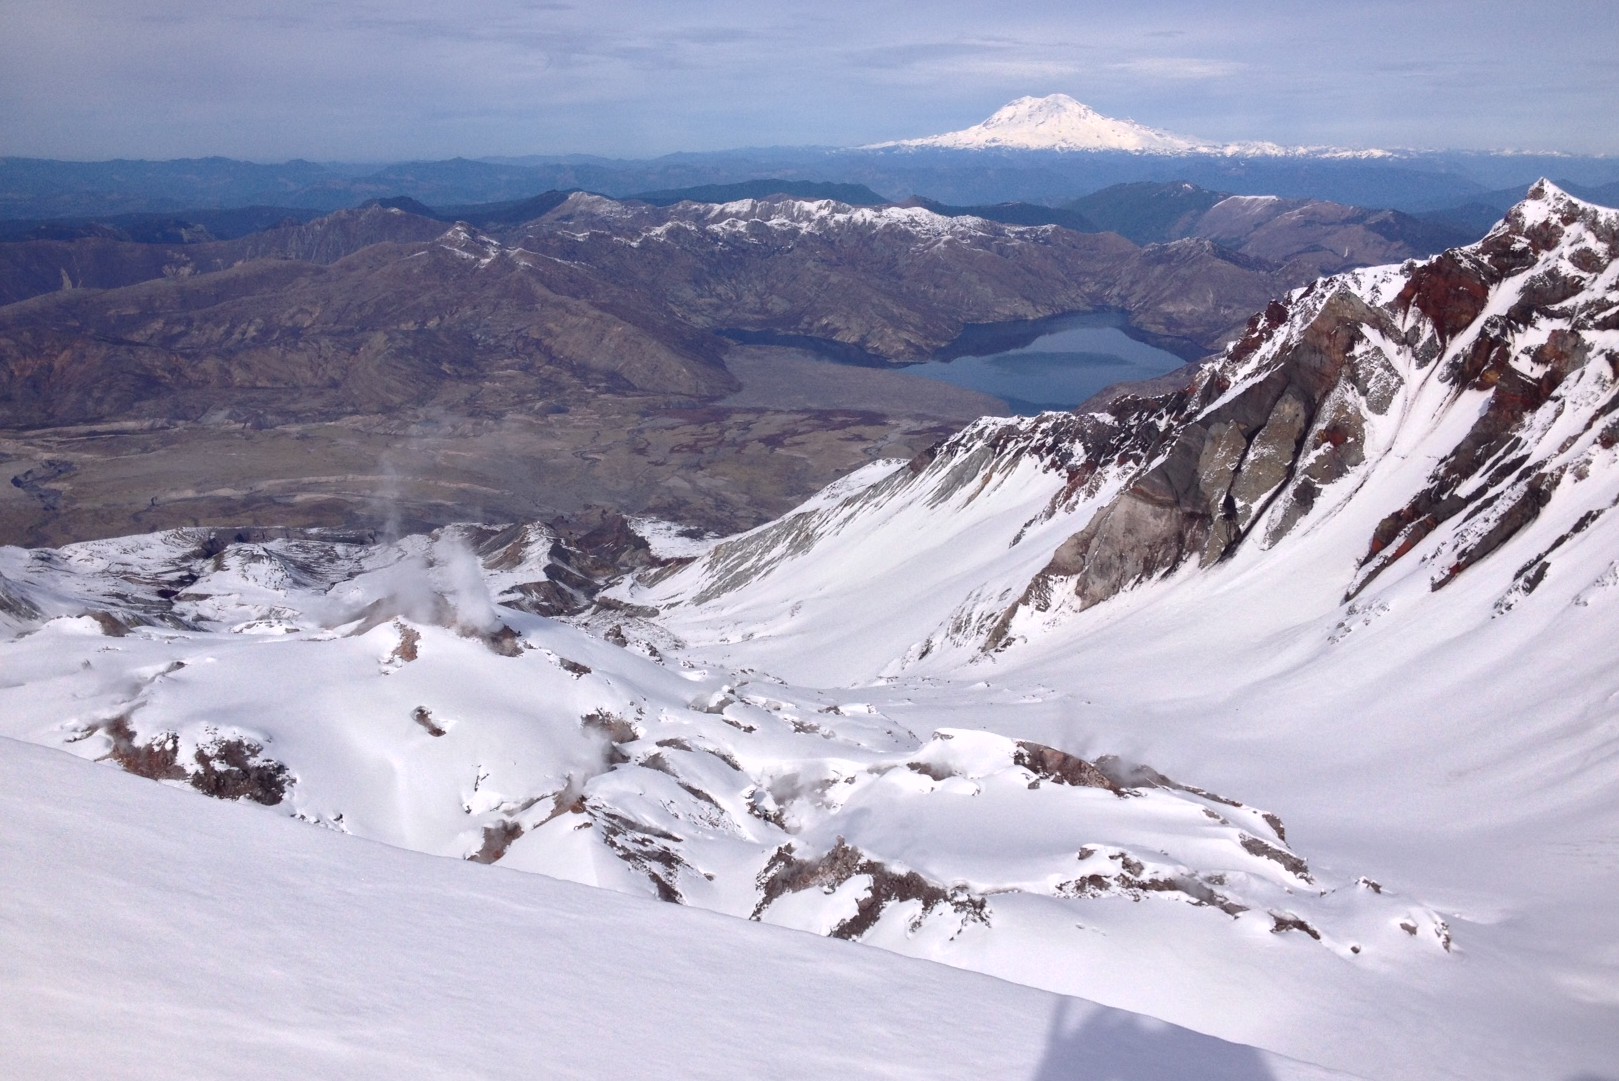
(1518, 329)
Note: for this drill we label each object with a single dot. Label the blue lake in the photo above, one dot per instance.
(1076, 357)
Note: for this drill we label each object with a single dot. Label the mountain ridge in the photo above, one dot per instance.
(1252, 448)
(1416, 181)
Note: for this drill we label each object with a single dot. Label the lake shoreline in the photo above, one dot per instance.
(1056, 363)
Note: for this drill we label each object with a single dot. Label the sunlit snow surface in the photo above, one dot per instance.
(1381, 834)
(151, 934)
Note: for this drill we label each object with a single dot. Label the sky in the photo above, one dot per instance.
(364, 80)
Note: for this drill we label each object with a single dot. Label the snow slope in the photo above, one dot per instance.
(1401, 423)
(151, 934)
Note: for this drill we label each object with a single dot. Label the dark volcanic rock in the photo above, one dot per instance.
(1216, 474)
(225, 768)
(1060, 767)
(787, 873)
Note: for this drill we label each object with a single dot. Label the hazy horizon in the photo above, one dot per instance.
(410, 80)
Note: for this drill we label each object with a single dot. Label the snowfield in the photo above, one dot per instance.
(153, 934)
(1279, 709)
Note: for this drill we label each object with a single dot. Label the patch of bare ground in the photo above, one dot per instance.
(643, 847)
(1282, 922)
(157, 759)
(718, 468)
(503, 641)
(424, 717)
(233, 769)
(110, 625)
(1289, 862)
(497, 838)
(1132, 881)
(1140, 776)
(787, 873)
(225, 768)
(567, 801)
(932, 770)
(409, 647)
(659, 762)
(617, 730)
(1060, 767)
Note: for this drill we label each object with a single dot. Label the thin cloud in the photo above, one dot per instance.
(271, 79)
(1180, 68)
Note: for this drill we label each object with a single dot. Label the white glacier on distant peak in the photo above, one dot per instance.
(1059, 122)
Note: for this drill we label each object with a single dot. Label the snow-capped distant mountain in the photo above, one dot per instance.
(1058, 122)
(1054, 122)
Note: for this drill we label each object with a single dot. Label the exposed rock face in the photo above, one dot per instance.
(225, 767)
(1217, 473)
(560, 568)
(1060, 767)
(787, 873)
(1520, 360)
(1251, 444)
